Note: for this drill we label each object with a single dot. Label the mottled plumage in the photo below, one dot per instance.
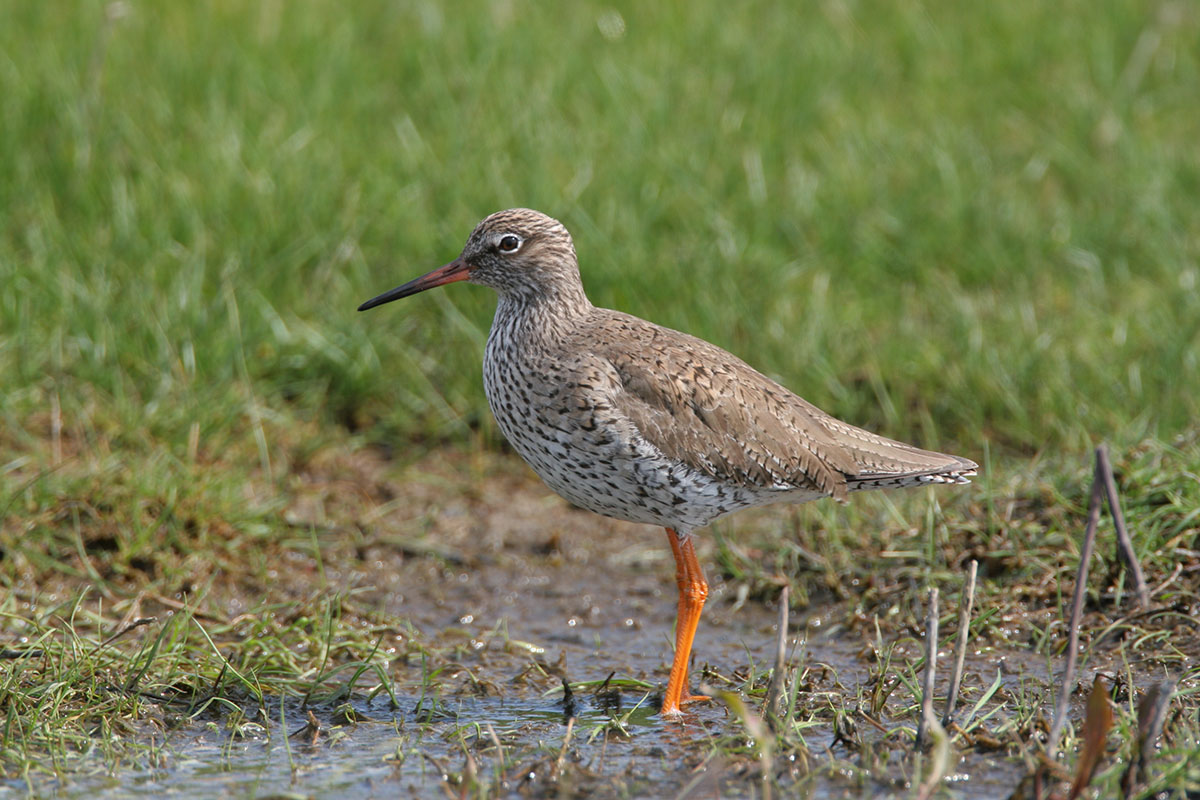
(647, 424)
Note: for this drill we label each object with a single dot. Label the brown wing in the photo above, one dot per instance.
(879, 457)
(705, 407)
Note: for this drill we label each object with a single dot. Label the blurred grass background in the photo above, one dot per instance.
(966, 224)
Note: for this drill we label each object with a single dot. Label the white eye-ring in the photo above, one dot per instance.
(509, 243)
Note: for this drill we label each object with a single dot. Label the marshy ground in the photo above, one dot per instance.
(414, 629)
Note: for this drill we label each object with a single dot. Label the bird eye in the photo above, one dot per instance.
(509, 243)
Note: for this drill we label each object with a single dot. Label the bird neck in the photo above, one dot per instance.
(548, 312)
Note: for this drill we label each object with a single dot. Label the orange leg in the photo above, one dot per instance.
(693, 590)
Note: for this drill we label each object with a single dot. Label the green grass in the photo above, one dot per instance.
(959, 224)
(970, 225)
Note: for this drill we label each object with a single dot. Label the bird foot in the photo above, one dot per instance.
(676, 710)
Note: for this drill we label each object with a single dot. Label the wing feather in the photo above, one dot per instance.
(707, 408)
(704, 407)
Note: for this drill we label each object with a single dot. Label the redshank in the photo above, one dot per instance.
(642, 423)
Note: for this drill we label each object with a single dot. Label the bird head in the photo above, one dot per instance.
(518, 251)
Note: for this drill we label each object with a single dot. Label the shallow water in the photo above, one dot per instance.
(513, 591)
(411, 750)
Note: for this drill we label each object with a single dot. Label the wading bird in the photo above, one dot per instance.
(642, 423)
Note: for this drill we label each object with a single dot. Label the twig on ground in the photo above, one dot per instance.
(1096, 725)
(775, 691)
(562, 754)
(1152, 713)
(1085, 555)
(137, 623)
(939, 760)
(185, 605)
(1175, 573)
(931, 645)
(960, 648)
(311, 730)
(1124, 543)
(11, 654)
(499, 750)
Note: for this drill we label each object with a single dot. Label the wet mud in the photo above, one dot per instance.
(502, 592)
